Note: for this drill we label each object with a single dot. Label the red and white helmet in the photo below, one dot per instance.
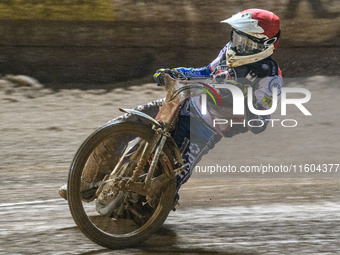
(254, 36)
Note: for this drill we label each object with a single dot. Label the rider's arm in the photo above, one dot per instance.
(195, 73)
(263, 101)
(203, 72)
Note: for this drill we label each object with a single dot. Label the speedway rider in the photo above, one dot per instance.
(244, 61)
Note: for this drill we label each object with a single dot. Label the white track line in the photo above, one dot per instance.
(31, 202)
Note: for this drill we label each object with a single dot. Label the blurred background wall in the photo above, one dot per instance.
(105, 41)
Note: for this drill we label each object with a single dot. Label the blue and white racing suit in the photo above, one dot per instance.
(194, 136)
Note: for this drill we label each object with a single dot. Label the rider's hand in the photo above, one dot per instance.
(159, 75)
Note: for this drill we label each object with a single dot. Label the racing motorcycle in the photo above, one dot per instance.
(122, 180)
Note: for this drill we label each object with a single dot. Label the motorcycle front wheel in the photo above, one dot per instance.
(131, 219)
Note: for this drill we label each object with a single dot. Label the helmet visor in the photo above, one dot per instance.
(244, 44)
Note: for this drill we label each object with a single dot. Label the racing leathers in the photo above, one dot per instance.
(194, 135)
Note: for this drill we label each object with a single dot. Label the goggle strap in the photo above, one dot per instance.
(273, 39)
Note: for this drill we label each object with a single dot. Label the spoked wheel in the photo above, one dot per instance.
(106, 211)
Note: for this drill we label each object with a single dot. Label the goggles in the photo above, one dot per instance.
(244, 44)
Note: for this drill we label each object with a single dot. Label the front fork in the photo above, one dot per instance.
(157, 146)
(153, 185)
(159, 149)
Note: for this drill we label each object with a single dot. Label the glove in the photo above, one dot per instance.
(159, 75)
(220, 76)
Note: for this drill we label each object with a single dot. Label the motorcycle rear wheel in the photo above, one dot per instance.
(105, 230)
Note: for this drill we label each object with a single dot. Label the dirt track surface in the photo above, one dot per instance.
(218, 214)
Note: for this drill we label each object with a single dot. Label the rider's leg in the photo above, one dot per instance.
(194, 138)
